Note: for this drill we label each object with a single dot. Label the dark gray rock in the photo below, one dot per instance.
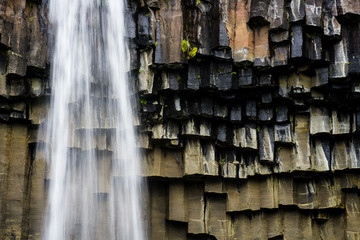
(224, 134)
(265, 114)
(250, 109)
(266, 143)
(266, 97)
(296, 9)
(313, 12)
(194, 76)
(144, 35)
(282, 113)
(283, 134)
(277, 15)
(207, 106)
(297, 43)
(259, 12)
(313, 47)
(235, 113)
(244, 77)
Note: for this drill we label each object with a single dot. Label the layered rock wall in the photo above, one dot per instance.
(248, 117)
(23, 80)
(256, 136)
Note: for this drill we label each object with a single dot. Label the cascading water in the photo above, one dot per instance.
(95, 179)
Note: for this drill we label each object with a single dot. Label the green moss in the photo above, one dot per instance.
(185, 45)
(193, 52)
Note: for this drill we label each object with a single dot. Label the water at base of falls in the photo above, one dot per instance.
(95, 184)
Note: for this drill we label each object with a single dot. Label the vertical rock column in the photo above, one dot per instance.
(15, 165)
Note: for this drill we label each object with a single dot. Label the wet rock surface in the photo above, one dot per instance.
(247, 115)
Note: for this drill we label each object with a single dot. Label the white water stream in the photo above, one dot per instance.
(95, 184)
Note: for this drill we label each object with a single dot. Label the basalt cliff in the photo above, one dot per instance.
(248, 117)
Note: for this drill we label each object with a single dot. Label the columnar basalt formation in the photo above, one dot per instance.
(248, 117)
(23, 86)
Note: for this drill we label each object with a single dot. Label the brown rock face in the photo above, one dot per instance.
(23, 77)
(251, 132)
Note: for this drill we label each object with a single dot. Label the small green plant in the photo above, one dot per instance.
(185, 45)
(222, 160)
(258, 128)
(31, 19)
(193, 52)
(233, 73)
(155, 44)
(186, 48)
(199, 2)
(139, 70)
(143, 101)
(178, 80)
(198, 76)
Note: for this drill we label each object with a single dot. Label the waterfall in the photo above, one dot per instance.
(95, 183)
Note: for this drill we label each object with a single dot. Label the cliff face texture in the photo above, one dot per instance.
(249, 117)
(23, 57)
